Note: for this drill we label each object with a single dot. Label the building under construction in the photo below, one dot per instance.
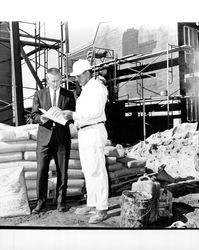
(151, 72)
(152, 80)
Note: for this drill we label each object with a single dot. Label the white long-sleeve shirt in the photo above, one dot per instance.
(52, 95)
(90, 105)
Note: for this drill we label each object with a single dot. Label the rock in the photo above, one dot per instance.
(178, 224)
(162, 175)
(175, 148)
(196, 161)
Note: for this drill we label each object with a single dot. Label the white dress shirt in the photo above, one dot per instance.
(90, 105)
(52, 95)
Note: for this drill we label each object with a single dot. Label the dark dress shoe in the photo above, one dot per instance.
(40, 206)
(61, 207)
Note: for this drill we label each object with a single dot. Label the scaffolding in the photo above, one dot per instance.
(36, 57)
(140, 71)
(32, 49)
(93, 53)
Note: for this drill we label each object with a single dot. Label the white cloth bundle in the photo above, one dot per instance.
(17, 146)
(13, 196)
(14, 135)
(27, 165)
(30, 156)
(11, 157)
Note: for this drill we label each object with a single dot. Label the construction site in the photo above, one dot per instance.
(152, 112)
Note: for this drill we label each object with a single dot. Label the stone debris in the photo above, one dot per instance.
(178, 224)
(173, 149)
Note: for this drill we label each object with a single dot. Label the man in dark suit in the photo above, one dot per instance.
(53, 139)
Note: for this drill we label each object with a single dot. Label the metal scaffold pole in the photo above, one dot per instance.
(167, 85)
(143, 109)
(15, 110)
(16, 74)
(169, 79)
(64, 52)
(67, 51)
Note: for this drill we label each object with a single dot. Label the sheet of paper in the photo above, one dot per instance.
(54, 114)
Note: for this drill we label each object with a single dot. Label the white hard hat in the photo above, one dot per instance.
(80, 66)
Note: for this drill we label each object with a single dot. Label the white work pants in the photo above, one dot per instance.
(92, 141)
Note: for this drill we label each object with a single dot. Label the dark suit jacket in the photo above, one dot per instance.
(42, 100)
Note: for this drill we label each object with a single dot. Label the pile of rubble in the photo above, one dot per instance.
(173, 149)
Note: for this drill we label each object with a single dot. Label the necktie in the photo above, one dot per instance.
(54, 98)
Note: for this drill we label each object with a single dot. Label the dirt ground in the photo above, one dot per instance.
(174, 149)
(185, 209)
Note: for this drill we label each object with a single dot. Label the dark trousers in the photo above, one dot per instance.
(60, 153)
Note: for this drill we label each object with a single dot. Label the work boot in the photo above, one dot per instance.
(98, 217)
(85, 210)
(40, 206)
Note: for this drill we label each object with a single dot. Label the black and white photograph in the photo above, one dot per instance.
(99, 134)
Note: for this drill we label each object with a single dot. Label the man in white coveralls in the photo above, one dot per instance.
(92, 136)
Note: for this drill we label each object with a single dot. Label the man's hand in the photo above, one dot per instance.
(67, 114)
(43, 118)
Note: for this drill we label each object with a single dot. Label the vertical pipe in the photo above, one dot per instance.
(39, 39)
(115, 78)
(45, 63)
(62, 50)
(143, 109)
(13, 76)
(168, 85)
(191, 108)
(36, 53)
(16, 73)
(67, 51)
(93, 63)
